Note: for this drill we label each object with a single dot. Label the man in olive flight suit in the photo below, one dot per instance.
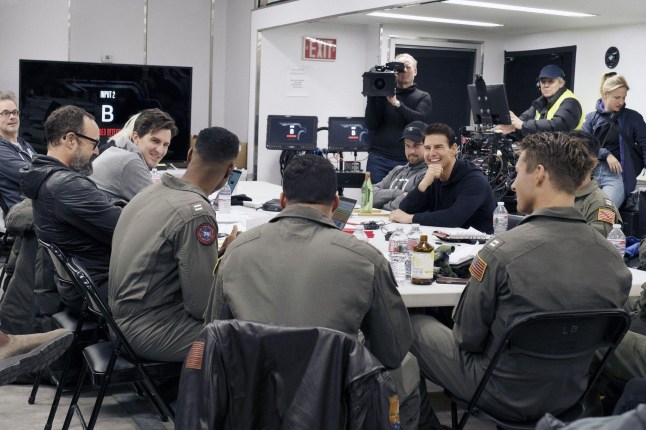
(165, 250)
(551, 261)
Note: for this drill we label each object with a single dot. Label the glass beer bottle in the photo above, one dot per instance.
(423, 260)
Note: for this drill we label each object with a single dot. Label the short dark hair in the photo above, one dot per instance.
(217, 145)
(62, 121)
(593, 143)
(153, 120)
(443, 129)
(566, 158)
(310, 179)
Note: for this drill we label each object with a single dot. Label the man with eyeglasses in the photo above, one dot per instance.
(69, 210)
(15, 152)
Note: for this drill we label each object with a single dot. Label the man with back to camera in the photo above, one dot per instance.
(394, 187)
(308, 249)
(537, 266)
(557, 109)
(15, 152)
(386, 117)
(69, 210)
(165, 250)
(453, 193)
(595, 205)
(124, 171)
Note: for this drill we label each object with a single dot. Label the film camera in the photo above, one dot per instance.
(382, 80)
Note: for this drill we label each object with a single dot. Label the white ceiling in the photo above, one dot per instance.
(609, 13)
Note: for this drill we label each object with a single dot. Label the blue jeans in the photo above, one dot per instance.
(611, 183)
(379, 166)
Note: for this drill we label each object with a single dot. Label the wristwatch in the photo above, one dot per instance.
(397, 104)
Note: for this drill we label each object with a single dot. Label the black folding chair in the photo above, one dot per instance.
(550, 336)
(112, 362)
(85, 327)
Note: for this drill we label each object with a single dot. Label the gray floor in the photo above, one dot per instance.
(122, 410)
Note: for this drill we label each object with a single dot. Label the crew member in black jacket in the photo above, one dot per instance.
(386, 118)
(453, 193)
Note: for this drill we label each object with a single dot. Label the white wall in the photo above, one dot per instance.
(176, 34)
(332, 88)
(591, 47)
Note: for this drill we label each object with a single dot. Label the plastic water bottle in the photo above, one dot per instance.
(398, 252)
(500, 219)
(224, 199)
(154, 175)
(360, 233)
(413, 240)
(618, 239)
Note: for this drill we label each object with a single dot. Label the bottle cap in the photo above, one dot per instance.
(616, 226)
(501, 203)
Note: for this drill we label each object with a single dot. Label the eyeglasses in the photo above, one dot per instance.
(95, 141)
(7, 113)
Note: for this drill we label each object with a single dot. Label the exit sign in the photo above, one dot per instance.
(319, 48)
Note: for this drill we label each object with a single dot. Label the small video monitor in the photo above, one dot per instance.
(495, 102)
(291, 132)
(347, 134)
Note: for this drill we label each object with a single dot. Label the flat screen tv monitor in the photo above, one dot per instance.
(291, 132)
(347, 134)
(497, 102)
(110, 92)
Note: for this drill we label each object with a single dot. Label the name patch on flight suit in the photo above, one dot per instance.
(194, 359)
(606, 215)
(206, 233)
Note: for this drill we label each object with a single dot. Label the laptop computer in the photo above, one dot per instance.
(343, 211)
(233, 179)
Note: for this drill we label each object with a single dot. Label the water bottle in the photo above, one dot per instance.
(413, 240)
(367, 191)
(398, 252)
(500, 219)
(618, 239)
(154, 175)
(224, 199)
(360, 233)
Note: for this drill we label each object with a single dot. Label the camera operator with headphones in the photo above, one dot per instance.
(386, 118)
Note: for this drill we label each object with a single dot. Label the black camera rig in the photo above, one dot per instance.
(494, 153)
(381, 80)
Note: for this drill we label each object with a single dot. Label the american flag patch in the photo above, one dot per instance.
(194, 359)
(606, 215)
(478, 268)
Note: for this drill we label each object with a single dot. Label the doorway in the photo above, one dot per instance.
(522, 69)
(444, 73)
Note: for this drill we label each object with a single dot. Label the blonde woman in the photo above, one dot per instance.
(622, 134)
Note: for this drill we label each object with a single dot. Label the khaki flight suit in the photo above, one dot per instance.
(598, 210)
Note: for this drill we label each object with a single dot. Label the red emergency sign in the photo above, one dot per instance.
(319, 48)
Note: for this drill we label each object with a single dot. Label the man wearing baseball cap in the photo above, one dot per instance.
(399, 181)
(557, 109)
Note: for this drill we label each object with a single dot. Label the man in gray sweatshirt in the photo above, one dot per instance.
(399, 181)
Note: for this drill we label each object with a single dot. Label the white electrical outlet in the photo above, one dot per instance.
(106, 58)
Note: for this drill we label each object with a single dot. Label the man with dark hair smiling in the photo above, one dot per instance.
(69, 210)
(165, 250)
(538, 266)
(318, 276)
(452, 193)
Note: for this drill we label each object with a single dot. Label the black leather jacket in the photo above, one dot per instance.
(71, 212)
(248, 376)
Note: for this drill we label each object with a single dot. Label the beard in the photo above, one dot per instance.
(82, 164)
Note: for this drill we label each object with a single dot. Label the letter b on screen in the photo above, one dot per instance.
(107, 113)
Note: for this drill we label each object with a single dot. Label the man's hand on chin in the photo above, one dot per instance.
(400, 216)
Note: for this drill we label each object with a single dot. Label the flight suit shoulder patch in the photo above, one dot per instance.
(478, 268)
(206, 233)
(494, 243)
(607, 202)
(606, 215)
(195, 356)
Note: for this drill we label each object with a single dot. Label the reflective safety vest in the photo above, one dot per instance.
(566, 95)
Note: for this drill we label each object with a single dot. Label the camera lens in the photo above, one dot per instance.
(379, 84)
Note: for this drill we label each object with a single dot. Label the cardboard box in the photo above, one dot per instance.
(241, 161)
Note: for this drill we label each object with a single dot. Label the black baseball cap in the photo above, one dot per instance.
(551, 71)
(413, 131)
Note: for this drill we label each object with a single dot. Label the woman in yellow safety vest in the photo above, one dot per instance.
(557, 109)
